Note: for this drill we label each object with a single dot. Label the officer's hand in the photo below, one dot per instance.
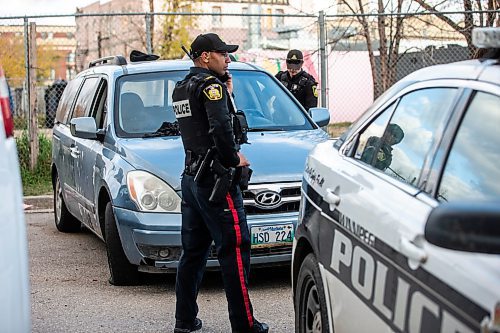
(229, 84)
(243, 160)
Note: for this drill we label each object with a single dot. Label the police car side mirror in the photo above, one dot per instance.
(321, 116)
(464, 226)
(83, 127)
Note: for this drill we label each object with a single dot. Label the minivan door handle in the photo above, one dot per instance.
(416, 255)
(332, 198)
(74, 151)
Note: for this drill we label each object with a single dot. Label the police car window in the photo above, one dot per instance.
(85, 98)
(364, 150)
(472, 170)
(144, 103)
(266, 105)
(409, 136)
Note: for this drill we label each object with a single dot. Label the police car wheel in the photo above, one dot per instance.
(122, 272)
(65, 222)
(310, 303)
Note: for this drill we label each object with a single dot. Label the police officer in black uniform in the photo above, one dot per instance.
(300, 83)
(204, 109)
(378, 151)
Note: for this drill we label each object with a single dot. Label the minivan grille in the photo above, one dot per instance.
(289, 198)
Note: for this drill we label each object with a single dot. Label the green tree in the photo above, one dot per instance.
(175, 29)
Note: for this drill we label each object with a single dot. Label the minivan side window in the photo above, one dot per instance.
(85, 98)
(401, 149)
(67, 100)
(472, 171)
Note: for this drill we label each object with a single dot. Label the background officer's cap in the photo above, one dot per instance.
(396, 131)
(294, 59)
(210, 42)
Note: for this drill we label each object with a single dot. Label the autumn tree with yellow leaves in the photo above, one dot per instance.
(12, 58)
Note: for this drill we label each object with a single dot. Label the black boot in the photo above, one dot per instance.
(181, 327)
(258, 327)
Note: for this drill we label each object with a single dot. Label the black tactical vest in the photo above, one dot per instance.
(188, 109)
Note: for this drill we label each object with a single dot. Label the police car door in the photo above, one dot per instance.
(370, 246)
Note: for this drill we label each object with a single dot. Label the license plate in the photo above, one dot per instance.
(272, 235)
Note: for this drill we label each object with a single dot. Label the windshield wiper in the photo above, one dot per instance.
(264, 129)
(166, 129)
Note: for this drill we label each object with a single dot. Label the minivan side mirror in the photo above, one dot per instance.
(464, 226)
(83, 127)
(321, 116)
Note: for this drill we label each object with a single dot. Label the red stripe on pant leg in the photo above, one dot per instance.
(238, 258)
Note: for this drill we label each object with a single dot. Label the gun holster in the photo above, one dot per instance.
(223, 181)
(245, 173)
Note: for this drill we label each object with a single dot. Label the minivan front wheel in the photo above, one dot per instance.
(122, 272)
(310, 303)
(65, 222)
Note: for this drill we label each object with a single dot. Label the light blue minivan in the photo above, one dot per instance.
(117, 160)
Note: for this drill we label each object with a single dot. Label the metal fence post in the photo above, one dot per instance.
(148, 34)
(33, 119)
(26, 94)
(323, 58)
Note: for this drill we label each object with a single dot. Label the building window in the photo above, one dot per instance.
(279, 21)
(267, 20)
(244, 19)
(216, 17)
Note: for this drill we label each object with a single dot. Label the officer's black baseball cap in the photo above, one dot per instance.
(294, 59)
(210, 42)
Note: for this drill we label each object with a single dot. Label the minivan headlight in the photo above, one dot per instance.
(151, 194)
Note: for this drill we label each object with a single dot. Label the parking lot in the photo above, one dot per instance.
(70, 291)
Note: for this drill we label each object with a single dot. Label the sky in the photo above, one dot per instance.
(43, 7)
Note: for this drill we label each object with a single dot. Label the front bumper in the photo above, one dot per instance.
(153, 230)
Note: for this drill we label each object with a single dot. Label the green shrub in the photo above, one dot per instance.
(38, 181)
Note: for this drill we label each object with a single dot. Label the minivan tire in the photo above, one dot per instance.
(310, 302)
(65, 222)
(122, 272)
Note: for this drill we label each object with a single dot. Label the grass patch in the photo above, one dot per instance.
(336, 129)
(38, 181)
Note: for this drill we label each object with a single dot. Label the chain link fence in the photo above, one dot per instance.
(351, 71)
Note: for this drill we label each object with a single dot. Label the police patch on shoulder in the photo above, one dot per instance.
(315, 91)
(213, 91)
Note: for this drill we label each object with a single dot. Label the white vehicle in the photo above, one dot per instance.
(399, 224)
(15, 308)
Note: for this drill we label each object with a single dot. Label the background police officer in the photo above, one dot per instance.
(378, 151)
(300, 83)
(203, 109)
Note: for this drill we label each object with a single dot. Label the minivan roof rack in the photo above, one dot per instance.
(111, 60)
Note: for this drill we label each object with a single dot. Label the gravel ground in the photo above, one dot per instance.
(70, 291)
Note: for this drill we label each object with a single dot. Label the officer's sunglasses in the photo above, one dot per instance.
(293, 62)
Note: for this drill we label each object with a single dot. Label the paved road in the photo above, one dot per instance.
(70, 292)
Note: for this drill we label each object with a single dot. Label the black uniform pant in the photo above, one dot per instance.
(225, 224)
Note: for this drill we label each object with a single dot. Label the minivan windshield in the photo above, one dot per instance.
(144, 104)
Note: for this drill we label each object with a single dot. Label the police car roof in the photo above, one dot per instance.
(464, 70)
